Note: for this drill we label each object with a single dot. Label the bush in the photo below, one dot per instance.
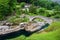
(3, 8)
(56, 14)
(41, 11)
(32, 9)
(25, 19)
(6, 7)
(49, 13)
(1, 17)
(54, 26)
(14, 20)
(39, 20)
(18, 11)
(45, 3)
(57, 8)
(17, 19)
(22, 4)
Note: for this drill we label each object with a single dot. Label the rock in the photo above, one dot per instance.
(3, 28)
(30, 26)
(22, 25)
(2, 23)
(8, 24)
(22, 16)
(34, 26)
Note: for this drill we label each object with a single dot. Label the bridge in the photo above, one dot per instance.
(30, 26)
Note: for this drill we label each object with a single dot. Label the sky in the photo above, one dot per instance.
(56, 1)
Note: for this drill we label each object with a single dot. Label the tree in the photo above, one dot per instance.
(32, 9)
(6, 7)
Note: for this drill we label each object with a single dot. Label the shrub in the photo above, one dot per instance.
(45, 3)
(31, 14)
(49, 13)
(54, 26)
(22, 4)
(17, 19)
(3, 8)
(57, 8)
(6, 7)
(1, 17)
(41, 11)
(14, 20)
(32, 9)
(18, 11)
(56, 14)
(39, 20)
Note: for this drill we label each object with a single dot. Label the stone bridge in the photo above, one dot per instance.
(30, 26)
(46, 19)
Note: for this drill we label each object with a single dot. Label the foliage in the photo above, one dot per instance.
(57, 8)
(14, 20)
(22, 4)
(20, 9)
(25, 19)
(41, 11)
(54, 26)
(1, 17)
(6, 7)
(32, 9)
(56, 14)
(39, 20)
(26, 1)
(45, 3)
(45, 12)
(3, 8)
(17, 19)
(31, 14)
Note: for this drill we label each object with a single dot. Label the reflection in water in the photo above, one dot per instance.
(46, 25)
(15, 34)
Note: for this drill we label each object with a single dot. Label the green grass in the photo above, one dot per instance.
(55, 35)
(39, 19)
(54, 26)
(32, 14)
(22, 37)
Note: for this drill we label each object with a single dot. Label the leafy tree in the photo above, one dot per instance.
(45, 3)
(32, 9)
(57, 8)
(6, 8)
